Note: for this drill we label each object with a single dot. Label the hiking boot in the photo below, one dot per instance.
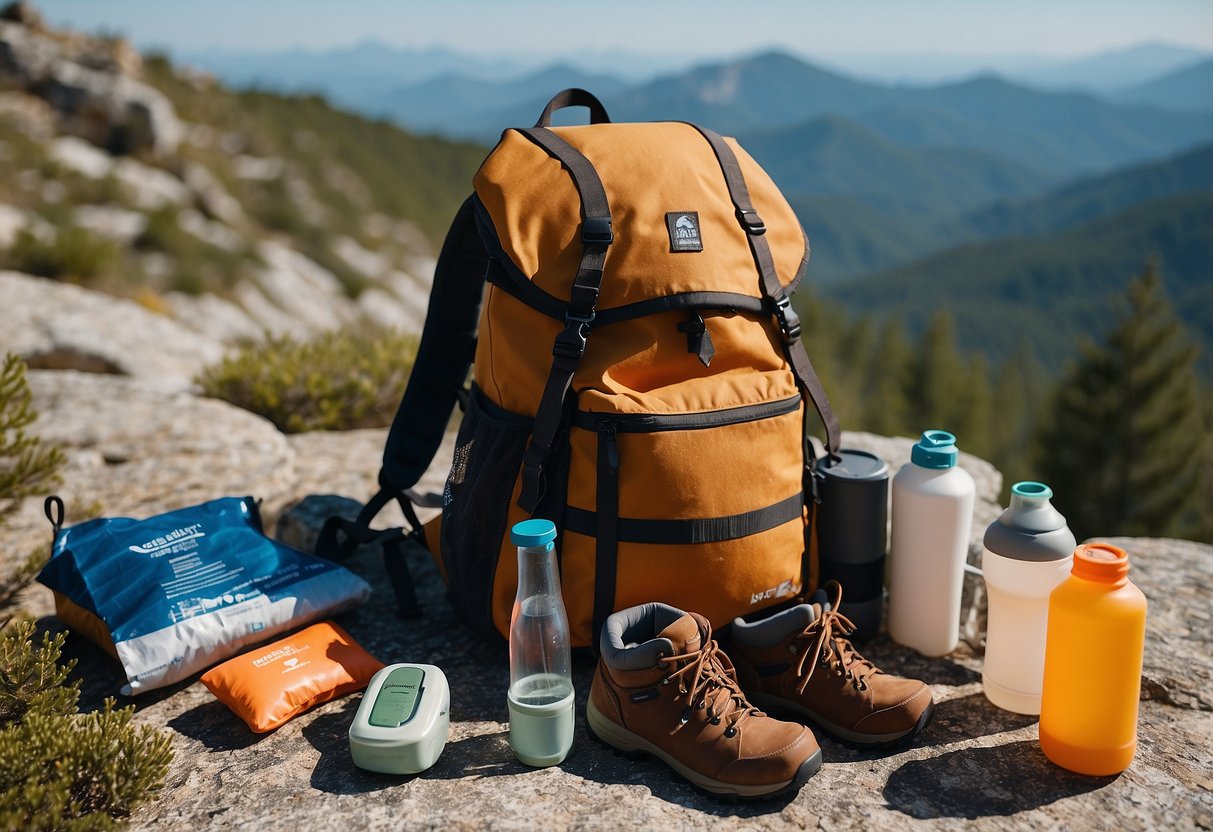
(664, 687)
(799, 664)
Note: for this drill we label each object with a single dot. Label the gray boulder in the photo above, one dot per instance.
(91, 96)
(58, 326)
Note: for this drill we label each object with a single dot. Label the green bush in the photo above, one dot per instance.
(340, 381)
(27, 467)
(73, 254)
(59, 769)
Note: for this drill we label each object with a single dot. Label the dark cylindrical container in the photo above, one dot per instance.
(852, 532)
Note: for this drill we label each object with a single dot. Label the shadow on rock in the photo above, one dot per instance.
(902, 661)
(969, 717)
(216, 727)
(335, 772)
(983, 782)
(597, 763)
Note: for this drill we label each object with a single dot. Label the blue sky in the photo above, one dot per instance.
(683, 29)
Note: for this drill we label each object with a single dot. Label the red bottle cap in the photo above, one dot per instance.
(1101, 562)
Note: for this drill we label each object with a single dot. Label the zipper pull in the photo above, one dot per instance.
(699, 340)
(607, 429)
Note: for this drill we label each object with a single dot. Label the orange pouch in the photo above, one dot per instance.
(270, 685)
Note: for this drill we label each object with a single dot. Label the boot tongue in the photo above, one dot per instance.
(686, 634)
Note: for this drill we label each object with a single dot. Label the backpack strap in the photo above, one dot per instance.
(777, 299)
(596, 237)
(448, 345)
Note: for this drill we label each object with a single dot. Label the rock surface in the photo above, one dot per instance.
(88, 84)
(57, 325)
(974, 767)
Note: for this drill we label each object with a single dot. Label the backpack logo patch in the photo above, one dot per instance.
(684, 231)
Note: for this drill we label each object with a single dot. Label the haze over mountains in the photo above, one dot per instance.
(996, 183)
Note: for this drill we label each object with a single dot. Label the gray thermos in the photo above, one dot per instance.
(852, 532)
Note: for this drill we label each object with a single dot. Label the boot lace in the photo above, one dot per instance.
(829, 647)
(708, 682)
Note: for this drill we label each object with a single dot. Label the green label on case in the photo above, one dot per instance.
(398, 698)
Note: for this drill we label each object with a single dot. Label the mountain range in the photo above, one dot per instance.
(986, 195)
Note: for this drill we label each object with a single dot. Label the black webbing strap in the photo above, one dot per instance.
(574, 97)
(606, 533)
(686, 532)
(393, 542)
(772, 290)
(596, 237)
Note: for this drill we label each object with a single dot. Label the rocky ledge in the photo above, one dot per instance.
(130, 452)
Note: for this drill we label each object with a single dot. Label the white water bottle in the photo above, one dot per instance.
(1029, 550)
(932, 517)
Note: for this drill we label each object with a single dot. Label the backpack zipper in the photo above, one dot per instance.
(655, 422)
(607, 428)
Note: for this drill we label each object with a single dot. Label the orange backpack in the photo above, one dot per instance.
(639, 378)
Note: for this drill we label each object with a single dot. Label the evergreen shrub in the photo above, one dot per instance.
(342, 380)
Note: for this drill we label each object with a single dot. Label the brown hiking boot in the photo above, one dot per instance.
(798, 663)
(664, 687)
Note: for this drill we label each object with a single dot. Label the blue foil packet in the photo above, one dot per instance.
(181, 591)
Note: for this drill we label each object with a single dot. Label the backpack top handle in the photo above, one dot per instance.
(574, 97)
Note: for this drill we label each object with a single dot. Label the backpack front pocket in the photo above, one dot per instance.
(703, 511)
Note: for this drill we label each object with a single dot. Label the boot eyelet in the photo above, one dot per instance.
(702, 706)
(715, 720)
(666, 680)
(730, 732)
(793, 649)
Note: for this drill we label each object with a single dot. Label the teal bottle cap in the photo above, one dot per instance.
(530, 534)
(1030, 493)
(936, 449)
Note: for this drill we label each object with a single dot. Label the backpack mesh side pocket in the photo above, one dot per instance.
(476, 504)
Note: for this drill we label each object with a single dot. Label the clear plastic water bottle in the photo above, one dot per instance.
(541, 681)
(1028, 552)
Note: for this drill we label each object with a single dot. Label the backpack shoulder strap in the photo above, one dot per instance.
(780, 305)
(448, 345)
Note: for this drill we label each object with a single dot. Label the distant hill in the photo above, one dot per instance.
(1189, 88)
(832, 155)
(1065, 134)
(1094, 197)
(1052, 290)
(453, 98)
(849, 237)
(1109, 71)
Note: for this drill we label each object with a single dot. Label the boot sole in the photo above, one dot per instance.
(781, 708)
(632, 745)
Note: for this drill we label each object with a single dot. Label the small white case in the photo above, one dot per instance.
(402, 722)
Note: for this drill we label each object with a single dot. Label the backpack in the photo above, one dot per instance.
(639, 379)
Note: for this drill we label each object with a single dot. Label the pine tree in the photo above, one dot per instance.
(974, 420)
(936, 380)
(885, 410)
(1018, 393)
(1123, 441)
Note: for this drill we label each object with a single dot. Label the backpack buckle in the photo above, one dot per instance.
(752, 222)
(570, 343)
(789, 321)
(597, 231)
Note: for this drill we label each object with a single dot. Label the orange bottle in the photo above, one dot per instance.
(1093, 653)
